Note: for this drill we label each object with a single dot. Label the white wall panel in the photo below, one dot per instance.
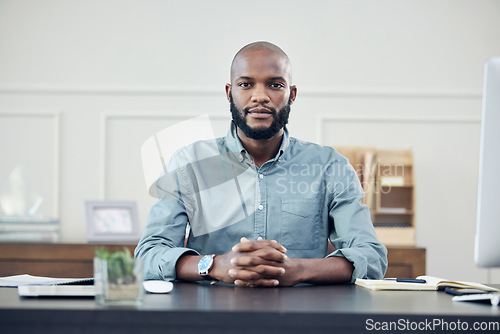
(30, 141)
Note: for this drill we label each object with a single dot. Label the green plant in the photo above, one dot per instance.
(120, 265)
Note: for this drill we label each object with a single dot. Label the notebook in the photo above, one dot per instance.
(493, 298)
(431, 284)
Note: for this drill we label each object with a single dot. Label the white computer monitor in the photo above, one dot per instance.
(487, 247)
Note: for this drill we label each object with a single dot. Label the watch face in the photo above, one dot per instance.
(205, 264)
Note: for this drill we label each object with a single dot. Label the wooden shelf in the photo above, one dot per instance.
(52, 260)
(396, 236)
(388, 181)
(390, 218)
(394, 228)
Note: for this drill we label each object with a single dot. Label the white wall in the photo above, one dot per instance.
(84, 83)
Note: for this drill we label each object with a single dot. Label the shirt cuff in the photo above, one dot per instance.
(169, 261)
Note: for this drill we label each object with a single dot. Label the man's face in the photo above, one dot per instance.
(279, 120)
(260, 94)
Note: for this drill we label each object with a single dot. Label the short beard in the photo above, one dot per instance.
(279, 121)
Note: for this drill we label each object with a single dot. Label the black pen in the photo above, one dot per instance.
(406, 280)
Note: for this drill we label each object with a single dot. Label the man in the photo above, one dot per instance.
(262, 206)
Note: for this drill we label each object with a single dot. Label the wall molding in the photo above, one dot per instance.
(386, 118)
(55, 116)
(331, 92)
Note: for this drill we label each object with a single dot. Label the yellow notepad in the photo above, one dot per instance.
(432, 284)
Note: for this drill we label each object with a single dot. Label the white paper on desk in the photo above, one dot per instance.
(17, 280)
(56, 291)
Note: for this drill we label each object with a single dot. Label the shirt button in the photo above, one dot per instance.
(261, 207)
(261, 176)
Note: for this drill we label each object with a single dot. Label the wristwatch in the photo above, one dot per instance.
(205, 265)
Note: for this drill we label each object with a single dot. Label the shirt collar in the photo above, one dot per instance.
(234, 144)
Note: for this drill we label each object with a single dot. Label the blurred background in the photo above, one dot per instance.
(83, 83)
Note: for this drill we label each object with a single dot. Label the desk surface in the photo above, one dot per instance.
(193, 307)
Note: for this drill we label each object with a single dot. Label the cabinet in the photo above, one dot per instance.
(52, 260)
(393, 214)
(406, 262)
(76, 260)
(388, 182)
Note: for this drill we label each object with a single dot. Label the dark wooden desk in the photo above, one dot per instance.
(201, 308)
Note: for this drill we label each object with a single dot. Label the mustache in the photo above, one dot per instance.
(269, 109)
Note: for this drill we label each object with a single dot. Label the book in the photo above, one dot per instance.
(386, 210)
(491, 297)
(25, 279)
(368, 177)
(431, 284)
(392, 181)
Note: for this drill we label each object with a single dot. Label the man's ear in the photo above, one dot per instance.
(228, 91)
(293, 93)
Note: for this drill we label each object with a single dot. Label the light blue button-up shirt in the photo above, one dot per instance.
(212, 192)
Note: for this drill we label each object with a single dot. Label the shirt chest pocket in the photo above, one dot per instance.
(299, 223)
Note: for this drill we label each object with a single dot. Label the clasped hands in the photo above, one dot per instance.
(256, 263)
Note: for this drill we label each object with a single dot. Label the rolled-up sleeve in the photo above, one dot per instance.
(162, 242)
(352, 233)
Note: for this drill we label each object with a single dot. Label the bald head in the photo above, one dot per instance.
(264, 50)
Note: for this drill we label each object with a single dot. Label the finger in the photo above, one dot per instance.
(257, 283)
(257, 272)
(269, 257)
(249, 246)
(270, 254)
(268, 269)
(252, 260)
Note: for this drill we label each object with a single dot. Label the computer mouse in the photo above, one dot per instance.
(157, 286)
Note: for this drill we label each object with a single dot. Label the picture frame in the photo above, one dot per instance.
(112, 221)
